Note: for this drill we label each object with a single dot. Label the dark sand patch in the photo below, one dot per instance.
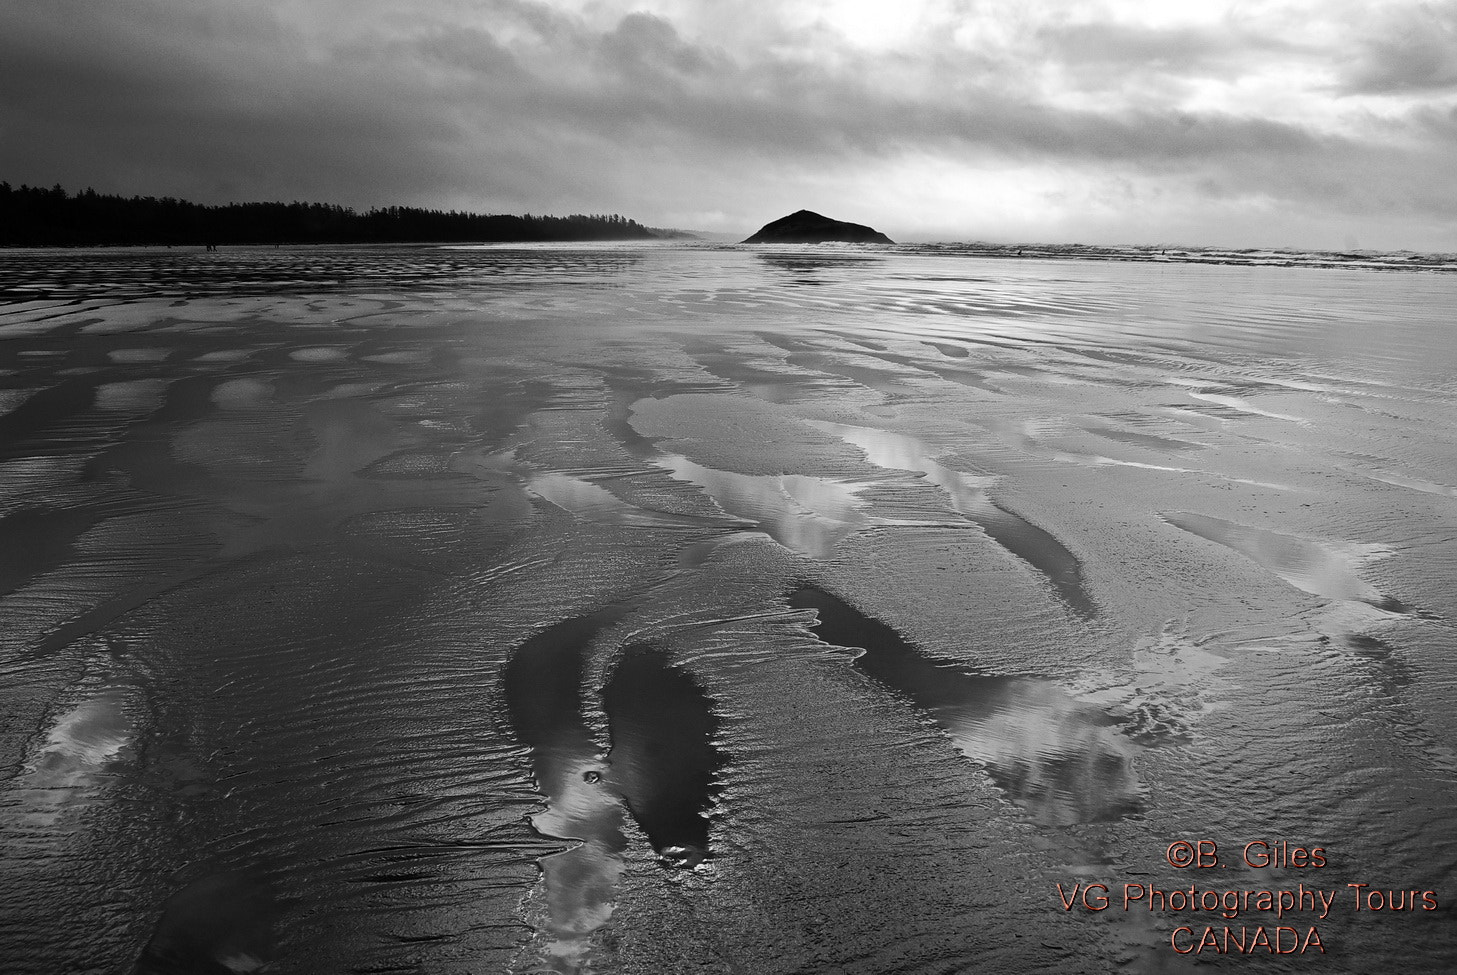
(221, 924)
(1147, 440)
(37, 540)
(663, 760)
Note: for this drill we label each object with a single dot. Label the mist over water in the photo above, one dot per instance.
(681, 608)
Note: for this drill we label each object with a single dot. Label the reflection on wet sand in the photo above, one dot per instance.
(810, 515)
(592, 502)
(1060, 760)
(83, 740)
(807, 269)
(968, 494)
(73, 762)
(268, 549)
(661, 765)
(587, 500)
(543, 696)
(1310, 566)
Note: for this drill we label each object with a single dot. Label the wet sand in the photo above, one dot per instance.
(652, 609)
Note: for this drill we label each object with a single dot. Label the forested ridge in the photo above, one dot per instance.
(32, 216)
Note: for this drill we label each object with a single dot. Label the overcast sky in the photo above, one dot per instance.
(1330, 123)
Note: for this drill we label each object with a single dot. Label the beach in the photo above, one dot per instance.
(686, 608)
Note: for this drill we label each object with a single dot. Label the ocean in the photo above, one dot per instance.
(697, 608)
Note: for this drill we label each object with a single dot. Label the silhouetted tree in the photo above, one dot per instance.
(32, 216)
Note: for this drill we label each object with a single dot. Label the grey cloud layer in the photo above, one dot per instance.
(517, 105)
(1415, 50)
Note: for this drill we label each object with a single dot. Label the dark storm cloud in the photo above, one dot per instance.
(131, 94)
(521, 105)
(223, 103)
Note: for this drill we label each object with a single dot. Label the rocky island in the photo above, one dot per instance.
(808, 227)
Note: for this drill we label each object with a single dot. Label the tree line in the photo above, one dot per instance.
(31, 216)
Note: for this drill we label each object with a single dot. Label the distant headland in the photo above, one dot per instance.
(32, 216)
(808, 227)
